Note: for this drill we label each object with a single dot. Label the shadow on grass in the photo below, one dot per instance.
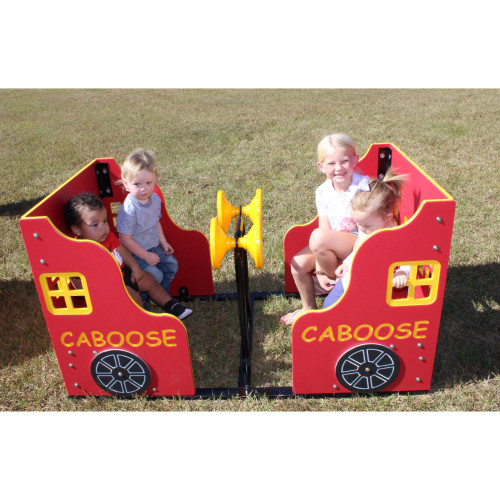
(469, 339)
(18, 208)
(24, 332)
(214, 337)
(272, 357)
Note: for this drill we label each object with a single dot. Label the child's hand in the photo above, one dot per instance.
(137, 274)
(340, 271)
(400, 279)
(152, 259)
(325, 282)
(167, 247)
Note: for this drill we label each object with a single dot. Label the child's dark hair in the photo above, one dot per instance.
(384, 194)
(74, 206)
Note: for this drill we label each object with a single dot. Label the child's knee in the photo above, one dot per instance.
(169, 265)
(173, 264)
(156, 273)
(318, 239)
(301, 264)
(295, 267)
(135, 296)
(146, 282)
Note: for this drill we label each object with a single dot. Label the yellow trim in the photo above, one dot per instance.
(301, 225)
(414, 281)
(26, 215)
(414, 164)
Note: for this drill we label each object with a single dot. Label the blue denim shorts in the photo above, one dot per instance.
(165, 271)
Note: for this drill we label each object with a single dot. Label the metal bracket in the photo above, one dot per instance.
(384, 161)
(103, 179)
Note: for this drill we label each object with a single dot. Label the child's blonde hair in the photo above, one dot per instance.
(383, 197)
(136, 161)
(333, 141)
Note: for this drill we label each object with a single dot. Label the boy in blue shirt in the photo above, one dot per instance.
(138, 220)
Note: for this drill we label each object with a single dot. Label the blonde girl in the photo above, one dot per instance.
(334, 239)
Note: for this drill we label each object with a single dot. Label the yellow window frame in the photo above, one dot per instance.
(432, 281)
(66, 293)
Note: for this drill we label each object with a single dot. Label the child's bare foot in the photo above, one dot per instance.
(288, 319)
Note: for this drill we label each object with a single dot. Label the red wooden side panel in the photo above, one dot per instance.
(112, 320)
(419, 187)
(51, 206)
(320, 338)
(192, 250)
(363, 315)
(115, 321)
(295, 240)
(368, 164)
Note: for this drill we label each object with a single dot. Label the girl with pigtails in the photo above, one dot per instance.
(372, 210)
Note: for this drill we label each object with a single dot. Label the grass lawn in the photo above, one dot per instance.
(237, 141)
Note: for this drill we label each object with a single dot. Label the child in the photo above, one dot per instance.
(336, 234)
(86, 216)
(138, 220)
(372, 210)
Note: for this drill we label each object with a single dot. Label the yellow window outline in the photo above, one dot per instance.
(417, 267)
(66, 293)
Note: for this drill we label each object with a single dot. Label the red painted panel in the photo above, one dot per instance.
(166, 351)
(320, 338)
(115, 322)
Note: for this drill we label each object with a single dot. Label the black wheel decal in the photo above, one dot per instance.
(367, 368)
(120, 373)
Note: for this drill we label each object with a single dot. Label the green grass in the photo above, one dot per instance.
(238, 141)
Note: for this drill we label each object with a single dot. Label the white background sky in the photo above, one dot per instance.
(262, 43)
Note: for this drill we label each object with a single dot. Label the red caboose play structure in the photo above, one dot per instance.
(374, 339)
(378, 338)
(104, 342)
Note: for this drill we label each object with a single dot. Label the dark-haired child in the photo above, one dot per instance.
(87, 218)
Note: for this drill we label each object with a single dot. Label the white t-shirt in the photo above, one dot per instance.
(336, 204)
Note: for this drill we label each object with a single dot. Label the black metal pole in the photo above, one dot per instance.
(245, 315)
